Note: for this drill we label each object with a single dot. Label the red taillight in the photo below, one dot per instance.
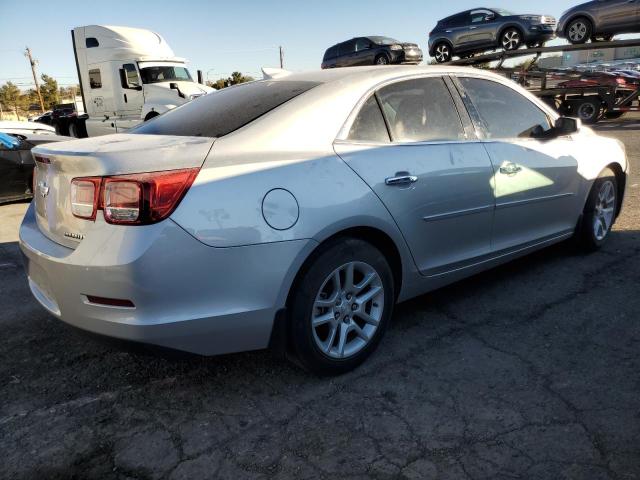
(85, 193)
(135, 199)
(621, 81)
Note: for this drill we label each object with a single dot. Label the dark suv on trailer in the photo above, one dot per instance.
(599, 20)
(371, 51)
(480, 29)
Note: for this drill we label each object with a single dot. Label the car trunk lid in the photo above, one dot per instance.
(58, 164)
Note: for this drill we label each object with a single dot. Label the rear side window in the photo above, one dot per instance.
(347, 48)
(504, 112)
(369, 124)
(95, 78)
(220, 113)
(421, 110)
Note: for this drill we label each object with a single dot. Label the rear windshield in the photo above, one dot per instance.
(220, 113)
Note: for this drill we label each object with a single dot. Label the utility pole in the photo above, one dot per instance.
(33, 63)
(281, 57)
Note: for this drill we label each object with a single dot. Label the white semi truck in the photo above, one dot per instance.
(127, 76)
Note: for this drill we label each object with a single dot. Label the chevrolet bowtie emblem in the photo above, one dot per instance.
(43, 188)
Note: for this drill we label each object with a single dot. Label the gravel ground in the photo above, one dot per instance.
(526, 371)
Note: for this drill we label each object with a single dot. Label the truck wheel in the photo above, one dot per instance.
(511, 39)
(443, 52)
(578, 31)
(588, 110)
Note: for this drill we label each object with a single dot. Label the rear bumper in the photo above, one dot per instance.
(187, 296)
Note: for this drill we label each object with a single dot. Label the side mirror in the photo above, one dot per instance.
(489, 17)
(173, 86)
(567, 126)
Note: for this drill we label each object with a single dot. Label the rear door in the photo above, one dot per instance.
(12, 181)
(430, 174)
(535, 182)
(617, 15)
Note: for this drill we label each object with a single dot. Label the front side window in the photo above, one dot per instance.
(95, 79)
(369, 124)
(222, 112)
(362, 44)
(421, 110)
(165, 73)
(132, 74)
(479, 16)
(504, 112)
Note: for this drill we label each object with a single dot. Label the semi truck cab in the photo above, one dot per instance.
(127, 76)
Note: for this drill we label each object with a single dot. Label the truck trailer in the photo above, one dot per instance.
(127, 76)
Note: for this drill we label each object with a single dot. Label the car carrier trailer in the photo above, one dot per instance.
(561, 88)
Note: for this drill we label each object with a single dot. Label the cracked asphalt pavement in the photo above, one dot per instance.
(527, 371)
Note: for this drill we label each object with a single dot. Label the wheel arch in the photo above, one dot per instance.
(438, 42)
(621, 180)
(507, 26)
(372, 235)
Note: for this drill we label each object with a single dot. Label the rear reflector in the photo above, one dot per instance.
(110, 302)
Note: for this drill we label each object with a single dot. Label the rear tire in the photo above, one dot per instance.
(578, 30)
(599, 212)
(443, 52)
(337, 318)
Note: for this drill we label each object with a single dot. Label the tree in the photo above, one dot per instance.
(49, 91)
(10, 96)
(234, 79)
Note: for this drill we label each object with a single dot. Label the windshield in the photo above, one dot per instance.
(164, 73)
(220, 113)
(383, 40)
(502, 12)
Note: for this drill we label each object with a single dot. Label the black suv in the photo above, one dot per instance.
(371, 51)
(475, 31)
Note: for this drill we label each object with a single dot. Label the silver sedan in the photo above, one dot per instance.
(295, 211)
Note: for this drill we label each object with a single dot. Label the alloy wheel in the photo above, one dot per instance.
(604, 210)
(443, 54)
(577, 31)
(511, 40)
(382, 60)
(347, 310)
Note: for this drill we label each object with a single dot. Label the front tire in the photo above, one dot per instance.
(381, 60)
(599, 212)
(511, 39)
(578, 30)
(340, 306)
(443, 53)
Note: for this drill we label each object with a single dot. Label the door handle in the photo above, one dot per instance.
(472, 28)
(510, 169)
(401, 178)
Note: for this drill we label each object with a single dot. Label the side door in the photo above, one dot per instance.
(130, 99)
(535, 182)
(102, 117)
(482, 28)
(617, 15)
(364, 54)
(421, 160)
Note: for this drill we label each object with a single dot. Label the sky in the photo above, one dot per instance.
(219, 37)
